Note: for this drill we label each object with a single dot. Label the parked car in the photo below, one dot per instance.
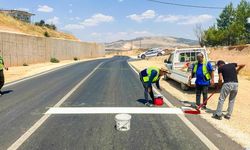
(180, 63)
(152, 52)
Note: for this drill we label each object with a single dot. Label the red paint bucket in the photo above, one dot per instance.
(158, 101)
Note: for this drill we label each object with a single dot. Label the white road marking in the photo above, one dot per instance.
(40, 74)
(189, 124)
(36, 75)
(32, 129)
(113, 110)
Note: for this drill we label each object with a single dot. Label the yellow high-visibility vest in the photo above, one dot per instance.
(204, 70)
(1, 63)
(149, 71)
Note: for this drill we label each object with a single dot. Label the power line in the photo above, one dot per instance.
(185, 5)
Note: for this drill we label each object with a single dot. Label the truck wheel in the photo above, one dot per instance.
(159, 54)
(143, 56)
(184, 87)
(166, 77)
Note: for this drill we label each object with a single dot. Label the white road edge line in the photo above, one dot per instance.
(40, 74)
(113, 110)
(33, 128)
(189, 124)
(36, 75)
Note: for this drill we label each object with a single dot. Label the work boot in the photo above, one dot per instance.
(217, 117)
(149, 104)
(204, 107)
(195, 106)
(227, 116)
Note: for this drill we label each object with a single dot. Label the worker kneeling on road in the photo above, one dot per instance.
(148, 76)
(204, 73)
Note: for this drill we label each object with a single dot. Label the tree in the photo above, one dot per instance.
(248, 30)
(50, 26)
(224, 22)
(232, 26)
(211, 38)
(199, 33)
(42, 24)
(53, 27)
(242, 14)
(226, 18)
(46, 34)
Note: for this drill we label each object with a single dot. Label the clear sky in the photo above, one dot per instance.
(110, 20)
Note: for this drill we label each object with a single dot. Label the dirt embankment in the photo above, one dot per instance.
(238, 54)
(9, 24)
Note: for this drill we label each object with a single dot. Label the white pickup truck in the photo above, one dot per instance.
(180, 63)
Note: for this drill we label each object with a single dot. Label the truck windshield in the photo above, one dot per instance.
(184, 57)
(188, 56)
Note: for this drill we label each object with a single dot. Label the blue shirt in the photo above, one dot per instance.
(151, 77)
(200, 78)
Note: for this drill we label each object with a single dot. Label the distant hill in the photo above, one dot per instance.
(9, 24)
(151, 42)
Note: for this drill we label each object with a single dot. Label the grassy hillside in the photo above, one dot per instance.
(10, 24)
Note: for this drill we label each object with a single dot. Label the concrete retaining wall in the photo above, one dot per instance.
(18, 49)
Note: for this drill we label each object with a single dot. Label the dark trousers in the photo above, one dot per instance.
(201, 89)
(1, 79)
(145, 85)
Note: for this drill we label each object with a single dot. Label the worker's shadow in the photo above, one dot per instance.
(7, 92)
(187, 103)
(143, 101)
(212, 111)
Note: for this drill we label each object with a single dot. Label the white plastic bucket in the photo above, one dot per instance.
(123, 122)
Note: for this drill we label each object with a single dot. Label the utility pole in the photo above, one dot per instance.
(131, 48)
(140, 43)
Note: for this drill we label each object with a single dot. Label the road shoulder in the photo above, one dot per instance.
(201, 120)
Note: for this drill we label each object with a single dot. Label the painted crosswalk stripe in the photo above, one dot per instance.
(113, 110)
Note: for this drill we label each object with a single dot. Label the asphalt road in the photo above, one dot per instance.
(113, 84)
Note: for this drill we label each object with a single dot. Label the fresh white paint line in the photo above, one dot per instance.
(37, 75)
(40, 74)
(113, 110)
(32, 129)
(189, 124)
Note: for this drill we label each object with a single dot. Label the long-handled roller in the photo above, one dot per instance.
(189, 110)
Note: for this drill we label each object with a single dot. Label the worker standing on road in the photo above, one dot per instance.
(204, 73)
(148, 76)
(2, 66)
(228, 73)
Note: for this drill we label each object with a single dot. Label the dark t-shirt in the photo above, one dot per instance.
(229, 72)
